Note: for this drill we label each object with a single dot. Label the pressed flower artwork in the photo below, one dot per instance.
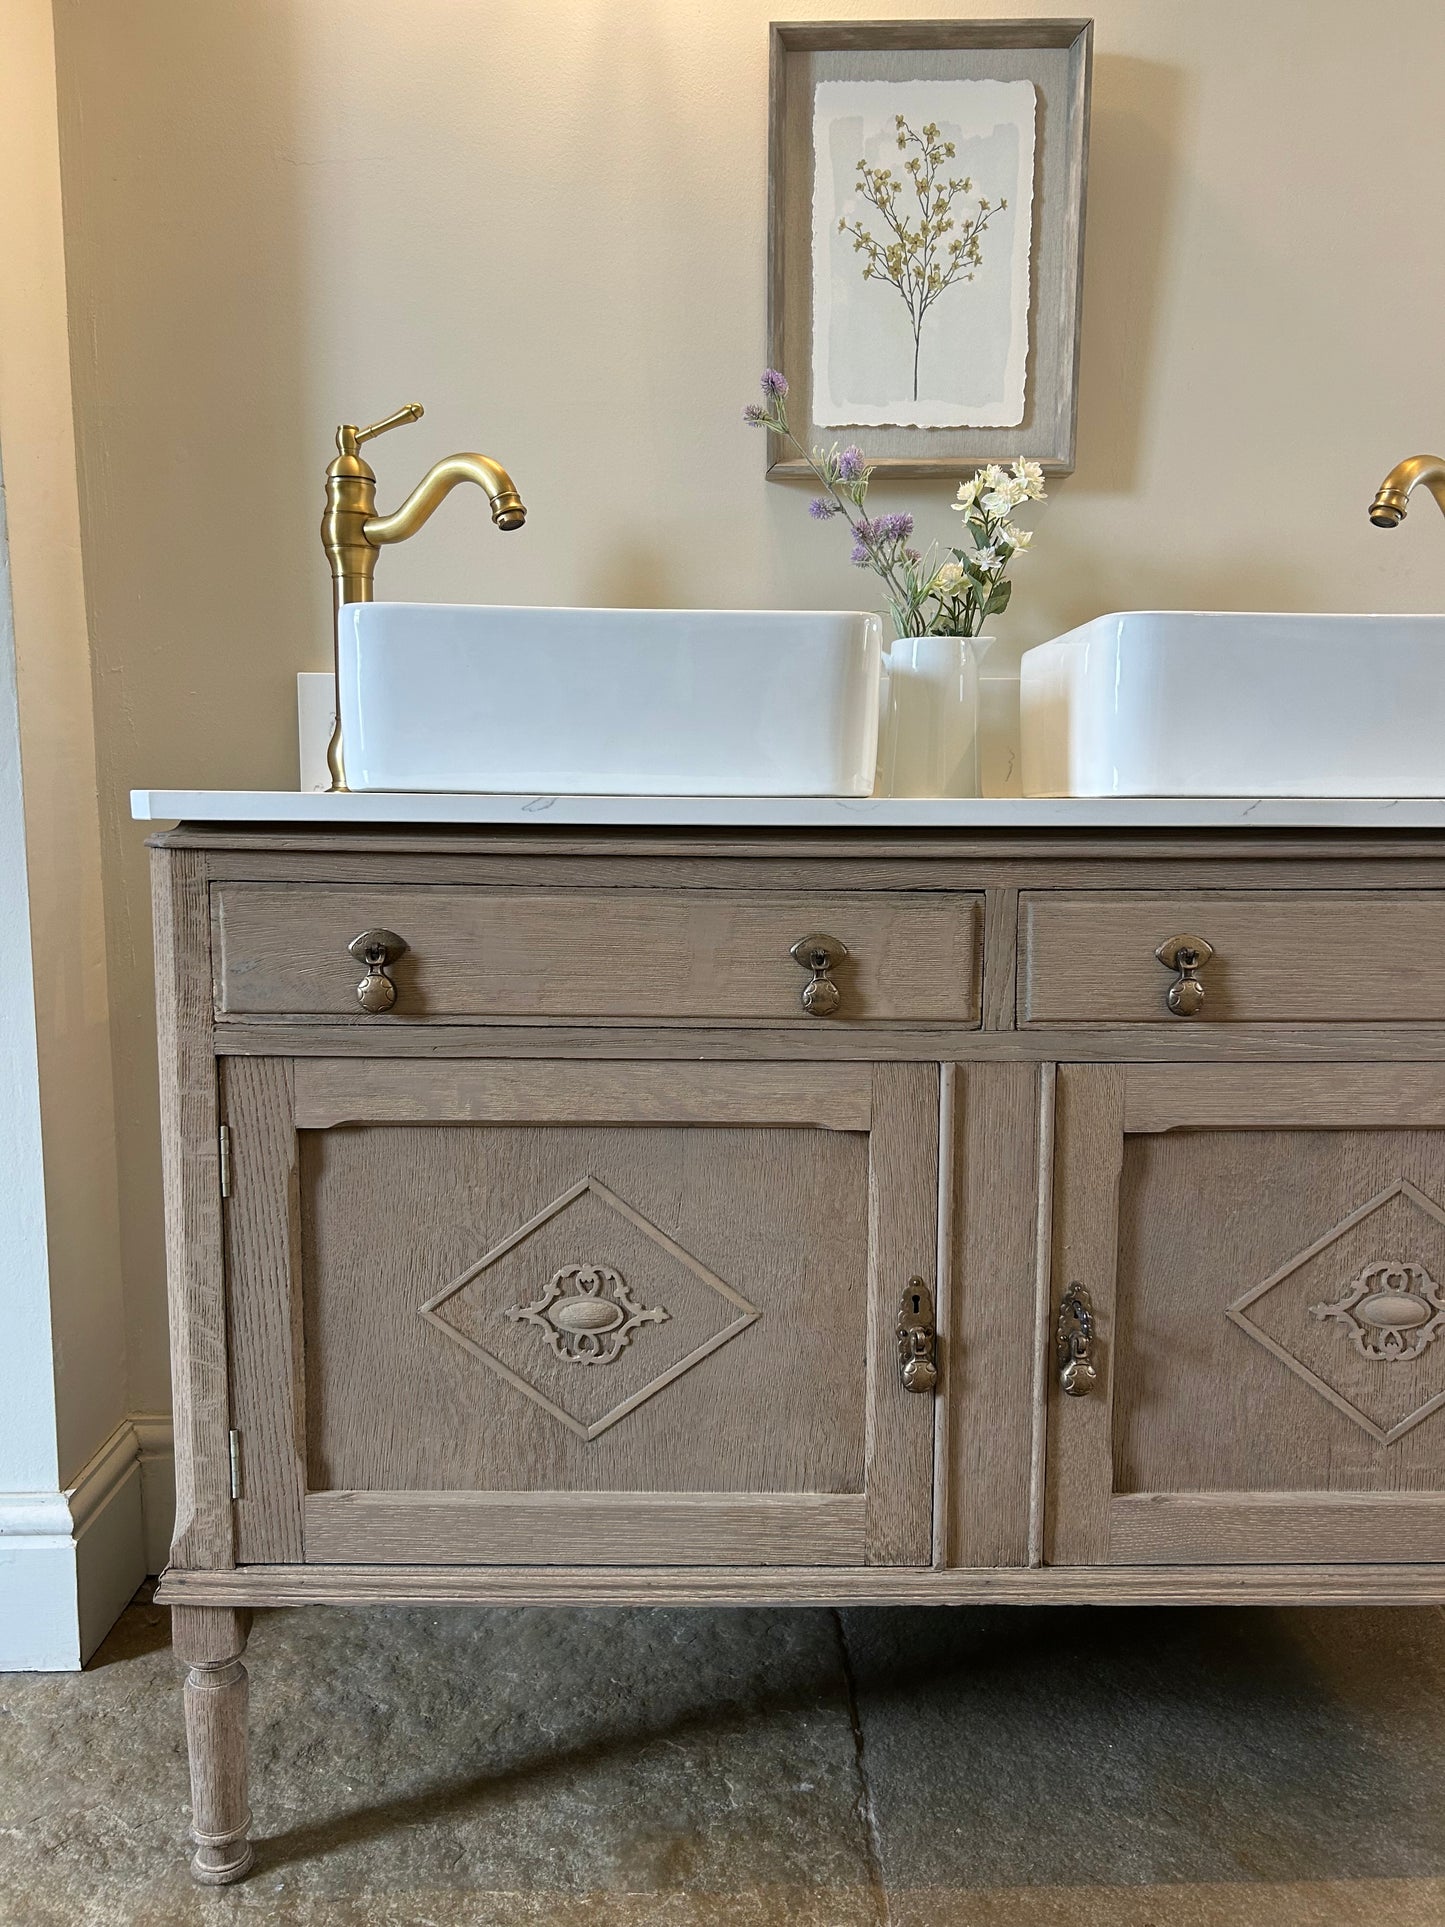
(922, 233)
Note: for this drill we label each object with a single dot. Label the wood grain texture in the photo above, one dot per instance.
(820, 1232)
(830, 1097)
(1057, 57)
(1088, 1150)
(394, 1215)
(950, 1204)
(565, 954)
(1302, 957)
(1207, 1218)
(992, 1317)
(190, 1165)
(1043, 1314)
(1161, 1097)
(1236, 1528)
(263, 1247)
(888, 1044)
(590, 1528)
(1279, 1585)
(784, 862)
(903, 1243)
(1000, 958)
(211, 1640)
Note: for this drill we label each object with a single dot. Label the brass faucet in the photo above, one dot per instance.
(352, 531)
(1387, 511)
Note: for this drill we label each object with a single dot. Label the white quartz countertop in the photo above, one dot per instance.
(317, 810)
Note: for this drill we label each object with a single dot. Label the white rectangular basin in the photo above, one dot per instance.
(608, 702)
(1168, 703)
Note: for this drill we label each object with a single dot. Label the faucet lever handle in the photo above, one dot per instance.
(349, 437)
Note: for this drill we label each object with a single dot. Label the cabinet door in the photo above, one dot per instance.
(568, 1313)
(1264, 1252)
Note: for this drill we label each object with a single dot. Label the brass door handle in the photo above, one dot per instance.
(377, 950)
(917, 1339)
(1075, 1342)
(821, 954)
(1188, 955)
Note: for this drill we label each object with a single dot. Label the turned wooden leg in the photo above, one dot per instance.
(210, 1641)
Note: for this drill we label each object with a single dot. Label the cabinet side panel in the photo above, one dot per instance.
(263, 1255)
(190, 1163)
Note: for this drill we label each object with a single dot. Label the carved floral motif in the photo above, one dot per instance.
(1367, 1347)
(1393, 1311)
(587, 1314)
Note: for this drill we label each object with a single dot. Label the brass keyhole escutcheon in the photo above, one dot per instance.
(1188, 955)
(1075, 1342)
(917, 1339)
(821, 954)
(377, 950)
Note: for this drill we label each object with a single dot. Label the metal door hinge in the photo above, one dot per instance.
(233, 1440)
(225, 1160)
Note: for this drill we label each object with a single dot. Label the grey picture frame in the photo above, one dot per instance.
(1057, 55)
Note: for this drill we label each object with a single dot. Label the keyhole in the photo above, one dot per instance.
(917, 1301)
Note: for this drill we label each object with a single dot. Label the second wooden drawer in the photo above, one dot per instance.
(1299, 956)
(643, 955)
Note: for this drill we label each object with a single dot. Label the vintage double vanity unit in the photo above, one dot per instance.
(1042, 1202)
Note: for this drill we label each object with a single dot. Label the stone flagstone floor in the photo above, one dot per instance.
(919, 1767)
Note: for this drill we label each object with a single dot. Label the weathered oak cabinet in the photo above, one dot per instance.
(582, 1215)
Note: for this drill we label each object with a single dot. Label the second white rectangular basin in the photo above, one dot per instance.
(1188, 703)
(608, 702)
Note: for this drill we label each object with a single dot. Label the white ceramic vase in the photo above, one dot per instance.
(929, 725)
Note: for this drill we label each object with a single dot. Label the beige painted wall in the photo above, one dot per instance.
(81, 1265)
(546, 223)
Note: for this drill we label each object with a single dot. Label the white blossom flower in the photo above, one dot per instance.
(1031, 478)
(967, 494)
(991, 476)
(949, 580)
(985, 560)
(1020, 538)
(999, 501)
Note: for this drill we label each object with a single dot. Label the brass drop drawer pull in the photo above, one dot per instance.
(1188, 955)
(1077, 1371)
(377, 950)
(822, 955)
(917, 1339)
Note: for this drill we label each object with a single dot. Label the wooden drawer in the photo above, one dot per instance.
(1299, 956)
(640, 955)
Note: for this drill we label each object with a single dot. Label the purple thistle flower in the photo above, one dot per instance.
(862, 555)
(851, 464)
(775, 386)
(893, 528)
(821, 509)
(755, 414)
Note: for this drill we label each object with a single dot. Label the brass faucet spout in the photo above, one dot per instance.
(352, 532)
(1387, 511)
(508, 511)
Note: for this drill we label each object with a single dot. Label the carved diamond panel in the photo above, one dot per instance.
(1355, 1315)
(589, 1282)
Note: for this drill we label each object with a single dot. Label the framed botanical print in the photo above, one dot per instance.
(925, 238)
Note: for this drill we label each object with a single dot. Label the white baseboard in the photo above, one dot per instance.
(70, 1561)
